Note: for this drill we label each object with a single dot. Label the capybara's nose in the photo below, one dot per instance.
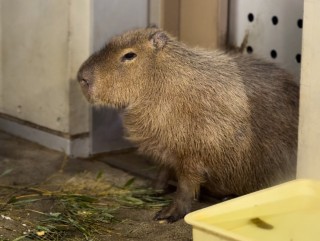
(85, 77)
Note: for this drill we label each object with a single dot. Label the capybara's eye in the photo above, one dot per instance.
(128, 56)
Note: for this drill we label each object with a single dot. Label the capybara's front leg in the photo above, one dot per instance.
(187, 190)
(161, 183)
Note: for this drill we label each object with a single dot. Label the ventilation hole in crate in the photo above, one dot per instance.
(249, 50)
(250, 17)
(273, 54)
(300, 23)
(298, 58)
(275, 20)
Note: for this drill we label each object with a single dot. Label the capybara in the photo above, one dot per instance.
(224, 121)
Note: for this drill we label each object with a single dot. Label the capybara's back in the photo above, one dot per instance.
(258, 122)
(224, 121)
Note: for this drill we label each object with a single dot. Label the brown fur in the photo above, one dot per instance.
(224, 121)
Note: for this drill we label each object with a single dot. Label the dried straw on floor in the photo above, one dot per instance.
(75, 209)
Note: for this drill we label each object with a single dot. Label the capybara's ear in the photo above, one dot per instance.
(159, 39)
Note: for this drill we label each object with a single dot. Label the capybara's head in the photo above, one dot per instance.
(117, 74)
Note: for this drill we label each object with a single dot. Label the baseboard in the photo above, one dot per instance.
(76, 146)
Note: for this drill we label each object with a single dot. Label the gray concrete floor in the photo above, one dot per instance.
(30, 164)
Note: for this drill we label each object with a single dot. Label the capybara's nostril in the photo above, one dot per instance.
(85, 78)
(84, 82)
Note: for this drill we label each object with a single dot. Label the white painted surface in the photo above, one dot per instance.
(44, 43)
(35, 55)
(42, 47)
(113, 17)
(79, 49)
(76, 147)
(309, 126)
(263, 36)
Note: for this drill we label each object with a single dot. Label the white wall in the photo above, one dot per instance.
(79, 50)
(113, 17)
(309, 126)
(43, 44)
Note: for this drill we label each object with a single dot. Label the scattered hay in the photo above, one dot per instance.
(77, 209)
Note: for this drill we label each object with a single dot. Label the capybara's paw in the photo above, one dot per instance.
(171, 213)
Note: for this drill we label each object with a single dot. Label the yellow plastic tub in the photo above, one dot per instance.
(287, 212)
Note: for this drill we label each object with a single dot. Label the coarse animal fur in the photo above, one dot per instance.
(225, 121)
